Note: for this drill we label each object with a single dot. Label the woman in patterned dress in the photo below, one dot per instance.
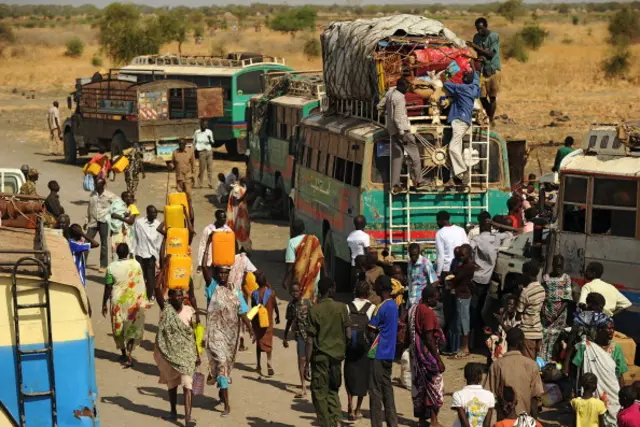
(126, 293)
(554, 312)
(227, 308)
(238, 214)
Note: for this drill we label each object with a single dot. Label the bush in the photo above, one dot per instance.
(6, 33)
(511, 9)
(294, 20)
(618, 64)
(516, 48)
(312, 48)
(75, 47)
(533, 36)
(575, 20)
(624, 27)
(567, 40)
(96, 61)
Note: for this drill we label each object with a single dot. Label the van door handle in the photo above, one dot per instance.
(511, 264)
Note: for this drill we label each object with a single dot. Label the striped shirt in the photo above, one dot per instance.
(395, 106)
(530, 306)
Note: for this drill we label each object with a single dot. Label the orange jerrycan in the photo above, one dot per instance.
(179, 272)
(177, 241)
(178, 199)
(174, 216)
(223, 248)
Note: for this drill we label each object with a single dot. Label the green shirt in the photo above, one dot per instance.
(616, 354)
(490, 42)
(327, 325)
(561, 154)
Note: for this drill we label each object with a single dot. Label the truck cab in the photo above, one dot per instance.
(11, 180)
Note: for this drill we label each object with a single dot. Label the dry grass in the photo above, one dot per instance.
(559, 76)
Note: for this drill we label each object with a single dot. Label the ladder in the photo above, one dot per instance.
(435, 160)
(23, 286)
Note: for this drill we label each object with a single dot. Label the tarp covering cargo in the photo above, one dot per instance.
(347, 49)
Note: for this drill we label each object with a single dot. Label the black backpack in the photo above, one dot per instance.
(359, 321)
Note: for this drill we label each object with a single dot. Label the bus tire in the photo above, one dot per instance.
(232, 147)
(119, 143)
(70, 149)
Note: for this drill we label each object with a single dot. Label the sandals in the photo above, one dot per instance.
(190, 423)
(460, 355)
(270, 372)
(300, 396)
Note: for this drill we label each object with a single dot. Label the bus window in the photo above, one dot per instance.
(348, 178)
(250, 83)
(357, 175)
(574, 212)
(339, 166)
(604, 142)
(380, 165)
(614, 207)
(592, 141)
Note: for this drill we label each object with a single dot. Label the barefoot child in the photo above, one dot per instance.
(297, 320)
(264, 336)
(589, 410)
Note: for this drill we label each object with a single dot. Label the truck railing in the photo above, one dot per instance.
(297, 87)
(205, 61)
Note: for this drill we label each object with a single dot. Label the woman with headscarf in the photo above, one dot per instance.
(175, 351)
(557, 286)
(126, 294)
(226, 309)
(123, 214)
(427, 385)
(238, 214)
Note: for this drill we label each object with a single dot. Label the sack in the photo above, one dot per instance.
(198, 384)
(403, 339)
(359, 323)
(88, 183)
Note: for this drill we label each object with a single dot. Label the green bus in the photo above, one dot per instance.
(343, 171)
(289, 97)
(240, 77)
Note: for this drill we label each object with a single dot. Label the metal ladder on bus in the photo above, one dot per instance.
(41, 288)
(478, 142)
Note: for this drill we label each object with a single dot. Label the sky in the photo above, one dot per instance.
(193, 3)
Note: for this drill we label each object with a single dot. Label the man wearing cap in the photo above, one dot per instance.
(29, 187)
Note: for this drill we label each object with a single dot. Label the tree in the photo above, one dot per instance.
(624, 27)
(294, 20)
(174, 26)
(125, 35)
(511, 9)
(7, 36)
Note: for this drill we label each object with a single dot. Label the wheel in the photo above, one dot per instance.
(119, 143)
(286, 214)
(232, 147)
(70, 149)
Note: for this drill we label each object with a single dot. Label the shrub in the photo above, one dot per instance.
(511, 9)
(533, 36)
(294, 20)
(575, 20)
(96, 61)
(516, 48)
(198, 31)
(6, 33)
(567, 40)
(624, 27)
(218, 48)
(75, 47)
(618, 64)
(312, 48)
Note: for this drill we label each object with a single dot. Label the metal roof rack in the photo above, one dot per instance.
(300, 83)
(204, 61)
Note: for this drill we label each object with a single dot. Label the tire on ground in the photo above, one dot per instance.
(70, 149)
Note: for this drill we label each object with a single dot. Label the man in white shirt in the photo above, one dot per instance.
(220, 224)
(358, 242)
(148, 242)
(615, 302)
(203, 143)
(55, 130)
(97, 220)
(448, 238)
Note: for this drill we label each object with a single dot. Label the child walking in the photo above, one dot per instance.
(589, 410)
(264, 335)
(297, 321)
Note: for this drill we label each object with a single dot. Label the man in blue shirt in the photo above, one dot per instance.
(464, 96)
(382, 353)
(80, 244)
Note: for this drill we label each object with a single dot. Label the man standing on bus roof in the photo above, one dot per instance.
(203, 141)
(183, 163)
(562, 153)
(460, 117)
(487, 44)
(402, 140)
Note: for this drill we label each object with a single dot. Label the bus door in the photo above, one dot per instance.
(571, 239)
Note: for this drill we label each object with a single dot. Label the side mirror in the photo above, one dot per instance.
(69, 103)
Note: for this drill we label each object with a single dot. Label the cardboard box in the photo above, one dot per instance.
(628, 347)
(632, 376)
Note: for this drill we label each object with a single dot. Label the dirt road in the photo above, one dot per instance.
(133, 397)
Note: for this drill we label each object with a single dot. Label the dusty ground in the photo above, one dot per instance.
(133, 398)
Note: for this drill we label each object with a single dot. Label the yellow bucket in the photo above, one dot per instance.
(119, 164)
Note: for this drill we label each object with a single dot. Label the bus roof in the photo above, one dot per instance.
(179, 71)
(296, 101)
(602, 165)
(352, 127)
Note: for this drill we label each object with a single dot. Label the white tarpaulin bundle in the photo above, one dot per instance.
(347, 48)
